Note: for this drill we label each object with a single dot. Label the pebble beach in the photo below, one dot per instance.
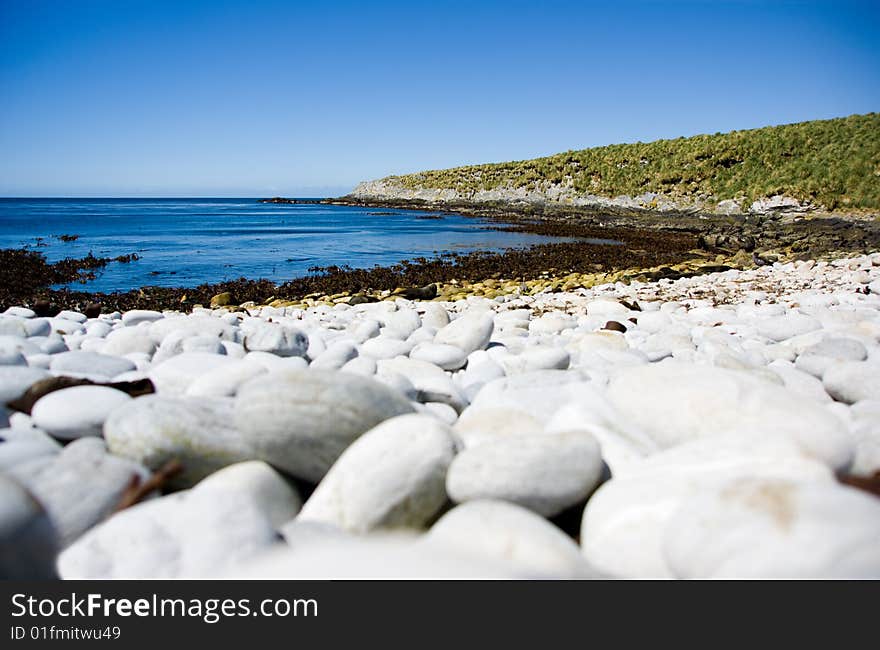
(725, 425)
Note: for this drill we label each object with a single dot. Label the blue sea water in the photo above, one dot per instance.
(186, 242)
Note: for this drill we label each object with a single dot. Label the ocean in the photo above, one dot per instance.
(186, 242)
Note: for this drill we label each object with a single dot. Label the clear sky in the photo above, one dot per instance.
(302, 98)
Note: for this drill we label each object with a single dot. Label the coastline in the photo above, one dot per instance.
(654, 246)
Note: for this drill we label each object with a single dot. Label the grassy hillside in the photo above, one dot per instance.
(833, 163)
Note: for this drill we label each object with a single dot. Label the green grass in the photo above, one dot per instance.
(832, 163)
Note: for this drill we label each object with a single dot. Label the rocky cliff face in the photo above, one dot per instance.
(391, 189)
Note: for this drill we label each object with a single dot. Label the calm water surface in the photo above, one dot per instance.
(185, 242)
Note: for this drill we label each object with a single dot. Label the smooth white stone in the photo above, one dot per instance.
(137, 316)
(197, 431)
(443, 412)
(78, 411)
(537, 357)
(15, 380)
(447, 357)
(363, 330)
(302, 421)
(129, 339)
(397, 382)
(228, 518)
(174, 376)
(552, 323)
(65, 326)
(773, 528)
(780, 328)
(206, 344)
(38, 327)
(817, 358)
(625, 519)
(80, 486)
(20, 312)
(89, 363)
(336, 355)
(364, 366)
(225, 380)
(469, 332)
(234, 350)
(283, 340)
(431, 383)
(13, 326)
(723, 401)
(194, 325)
(76, 316)
(53, 345)
(18, 446)
(853, 381)
(545, 473)
(28, 541)
(506, 533)
(797, 381)
(384, 347)
(435, 316)
(392, 476)
(518, 405)
(603, 307)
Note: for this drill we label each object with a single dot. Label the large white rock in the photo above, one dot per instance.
(14, 381)
(853, 381)
(129, 339)
(199, 432)
(469, 332)
(79, 486)
(774, 528)
(817, 358)
(675, 402)
(447, 357)
(12, 326)
(229, 517)
(432, 384)
(521, 404)
(336, 355)
(392, 476)
(192, 325)
(780, 328)
(79, 362)
(226, 379)
(77, 411)
(385, 347)
(18, 446)
(543, 472)
(20, 312)
(537, 357)
(283, 340)
(137, 316)
(28, 541)
(511, 535)
(205, 343)
(625, 519)
(302, 421)
(177, 374)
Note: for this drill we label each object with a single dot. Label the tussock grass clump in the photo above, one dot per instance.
(832, 163)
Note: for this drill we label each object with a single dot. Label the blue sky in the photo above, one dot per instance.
(298, 98)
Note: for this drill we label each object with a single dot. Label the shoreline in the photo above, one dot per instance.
(655, 246)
